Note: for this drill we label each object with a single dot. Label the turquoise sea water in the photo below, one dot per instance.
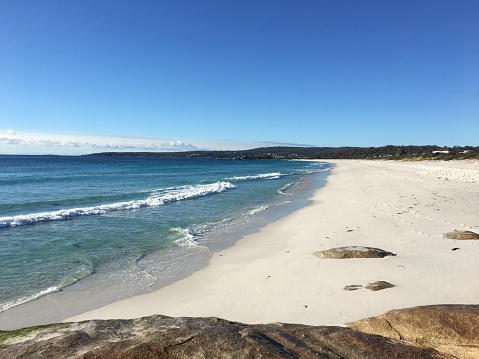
(130, 224)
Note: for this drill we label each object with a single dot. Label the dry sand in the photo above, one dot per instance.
(272, 276)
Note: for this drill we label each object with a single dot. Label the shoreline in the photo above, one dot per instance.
(97, 292)
(272, 276)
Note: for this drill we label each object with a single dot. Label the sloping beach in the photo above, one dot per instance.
(273, 276)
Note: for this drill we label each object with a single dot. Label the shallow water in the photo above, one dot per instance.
(110, 227)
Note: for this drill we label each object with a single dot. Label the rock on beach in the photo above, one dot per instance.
(353, 252)
(462, 235)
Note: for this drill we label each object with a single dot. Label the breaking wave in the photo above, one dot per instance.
(187, 238)
(84, 269)
(156, 198)
(16, 302)
(257, 210)
(274, 175)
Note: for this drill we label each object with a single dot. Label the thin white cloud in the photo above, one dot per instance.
(77, 144)
(11, 141)
(81, 144)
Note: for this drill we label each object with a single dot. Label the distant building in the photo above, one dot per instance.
(446, 152)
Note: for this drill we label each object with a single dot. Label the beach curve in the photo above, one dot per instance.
(273, 276)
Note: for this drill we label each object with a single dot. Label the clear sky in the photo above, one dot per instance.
(87, 75)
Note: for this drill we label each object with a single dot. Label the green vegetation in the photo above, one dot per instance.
(429, 152)
(6, 335)
(472, 154)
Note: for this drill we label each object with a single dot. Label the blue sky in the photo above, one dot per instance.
(226, 74)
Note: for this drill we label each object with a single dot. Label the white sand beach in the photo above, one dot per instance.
(273, 276)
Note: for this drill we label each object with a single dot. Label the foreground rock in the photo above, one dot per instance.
(462, 235)
(353, 252)
(452, 329)
(165, 337)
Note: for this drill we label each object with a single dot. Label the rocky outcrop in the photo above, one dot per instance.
(462, 235)
(451, 329)
(353, 252)
(164, 337)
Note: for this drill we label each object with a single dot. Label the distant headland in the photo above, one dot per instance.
(428, 152)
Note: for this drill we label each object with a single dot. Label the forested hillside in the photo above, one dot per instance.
(385, 152)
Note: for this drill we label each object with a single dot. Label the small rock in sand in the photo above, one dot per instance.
(353, 252)
(352, 287)
(380, 285)
(462, 235)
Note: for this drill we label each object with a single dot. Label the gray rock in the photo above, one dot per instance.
(451, 329)
(463, 235)
(375, 286)
(380, 285)
(164, 337)
(353, 252)
(352, 287)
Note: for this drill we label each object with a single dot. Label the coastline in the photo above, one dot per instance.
(97, 290)
(272, 276)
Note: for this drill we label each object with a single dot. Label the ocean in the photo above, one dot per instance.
(105, 228)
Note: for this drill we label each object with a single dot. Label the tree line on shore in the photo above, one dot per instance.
(285, 152)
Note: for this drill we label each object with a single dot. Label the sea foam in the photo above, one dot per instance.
(14, 303)
(257, 210)
(156, 198)
(274, 175)
(187, 238)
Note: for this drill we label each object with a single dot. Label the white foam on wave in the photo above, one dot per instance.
(283, 189)
(308, 172)
(257, 210)
(187, 238)
(274, 175)
(156, 198)
(13, 303)
(84, 270)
